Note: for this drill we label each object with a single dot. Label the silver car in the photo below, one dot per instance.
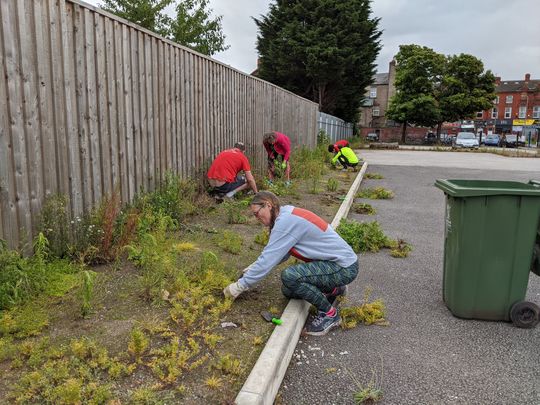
(466, 140)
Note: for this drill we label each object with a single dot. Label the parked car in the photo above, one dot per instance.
(373, 136)
(511, 141)
(492, 140)
(466, 140)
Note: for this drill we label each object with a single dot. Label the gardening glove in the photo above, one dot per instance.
(284, 164)
(233, 290)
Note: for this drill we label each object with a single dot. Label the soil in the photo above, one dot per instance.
(118, 305)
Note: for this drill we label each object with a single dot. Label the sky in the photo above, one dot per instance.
(504, 34)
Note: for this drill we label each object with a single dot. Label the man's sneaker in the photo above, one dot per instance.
(322, 323)
(338, 292)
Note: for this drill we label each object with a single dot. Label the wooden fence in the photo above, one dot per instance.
(91, 102)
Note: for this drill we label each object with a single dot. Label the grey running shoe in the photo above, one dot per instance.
(322, 323)
(340, 292)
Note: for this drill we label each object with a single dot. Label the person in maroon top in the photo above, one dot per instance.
(278, 148)
(224, 173)
(339, 144)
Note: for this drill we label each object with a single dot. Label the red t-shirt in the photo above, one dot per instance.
(227, 165)
(282, 146)
(340, 144)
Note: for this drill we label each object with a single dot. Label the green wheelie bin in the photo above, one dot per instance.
(491, 240)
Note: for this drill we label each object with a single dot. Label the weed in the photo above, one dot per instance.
(367, 313)
(374, 176)
(24, 320)
(53, 223)
(364, 208)
(87, 292)
(257, 340)
(235, 211)
(145, 396)
(211, 339)
(230, 242)
(363, 236)
(262, 237)
(377, 193)
(331, 370)
(332, 184)
(371, 391)
(138, 343)
(400, 249)
(213, 382)
(229, 365)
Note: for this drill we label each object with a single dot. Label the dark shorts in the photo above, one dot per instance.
(225, 188)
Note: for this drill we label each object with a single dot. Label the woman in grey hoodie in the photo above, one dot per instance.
(329, 262)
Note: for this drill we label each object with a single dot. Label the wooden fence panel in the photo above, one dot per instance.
(94, 104)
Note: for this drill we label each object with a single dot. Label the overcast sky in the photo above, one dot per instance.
(504, 34)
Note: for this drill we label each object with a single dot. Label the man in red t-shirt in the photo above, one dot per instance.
(223, 174)
(338, 145)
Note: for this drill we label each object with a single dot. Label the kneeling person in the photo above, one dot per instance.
(330, 263)
(346, 157)
(224, 173)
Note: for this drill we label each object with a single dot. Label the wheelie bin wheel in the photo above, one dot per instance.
(525, 314)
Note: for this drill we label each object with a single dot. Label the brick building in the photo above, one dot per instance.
(377, 99)
(515, 109)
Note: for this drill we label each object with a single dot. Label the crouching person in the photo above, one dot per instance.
(346, 157)
(224, 175)
(329, 262)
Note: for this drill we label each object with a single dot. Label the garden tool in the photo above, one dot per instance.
(268, 317)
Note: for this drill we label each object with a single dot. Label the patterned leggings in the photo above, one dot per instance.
(309, 281)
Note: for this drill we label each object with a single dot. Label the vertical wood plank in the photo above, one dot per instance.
(136, 114)
(91, 115)
(102, 43)
(129, 159)
(44, 31)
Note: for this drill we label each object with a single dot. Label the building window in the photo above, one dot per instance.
(522, 112)
(508, 112)
(479, 114)
(373, 92)
(496, 101)
(494, 113)
(536, 111)
(509, 99)
(376, 112)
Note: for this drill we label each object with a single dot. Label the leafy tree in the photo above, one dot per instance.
(146, 13)
(323, 50)
(193, 27)
(433, 88)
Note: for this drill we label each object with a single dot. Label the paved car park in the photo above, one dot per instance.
(426, 355)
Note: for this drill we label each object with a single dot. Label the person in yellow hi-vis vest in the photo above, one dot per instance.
(346, 157)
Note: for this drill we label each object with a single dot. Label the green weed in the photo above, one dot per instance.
(363, 236)
(364, 208)
(371, 391)
(54, 224)
(332, 184)
(377, 193)
(229, 365)
(235, 211)
(230, 242)
(87, 292)
(262, 237)
(374, 176)
(400, 248)
(138, 343)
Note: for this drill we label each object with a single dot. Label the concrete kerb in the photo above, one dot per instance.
(263, 382)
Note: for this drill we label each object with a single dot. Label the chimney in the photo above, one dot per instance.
(527, 77)
(497, 80)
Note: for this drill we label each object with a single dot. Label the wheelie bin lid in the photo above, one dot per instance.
(474, 188)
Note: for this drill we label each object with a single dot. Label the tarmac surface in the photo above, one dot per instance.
(425, 355)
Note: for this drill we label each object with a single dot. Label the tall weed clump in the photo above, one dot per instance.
(24, 277)
(363, 236)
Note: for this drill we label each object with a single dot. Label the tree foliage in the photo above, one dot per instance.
(194, 28)
(432, 88)
(323, 50)
(146, 13)
(191, 26)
